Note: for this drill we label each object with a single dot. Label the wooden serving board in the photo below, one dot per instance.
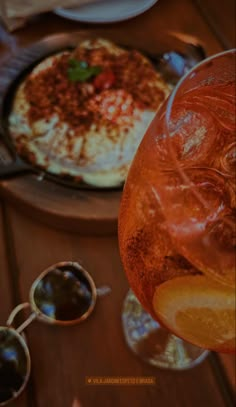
(84, 211)
(75, 209)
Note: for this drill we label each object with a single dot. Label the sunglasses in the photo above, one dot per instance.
(64, 294)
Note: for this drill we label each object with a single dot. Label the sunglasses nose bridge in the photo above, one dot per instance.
(15, 312)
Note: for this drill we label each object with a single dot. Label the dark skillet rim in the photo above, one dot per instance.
(14, 72)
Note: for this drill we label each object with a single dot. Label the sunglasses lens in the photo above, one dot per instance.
(14, 364)
(63, 294)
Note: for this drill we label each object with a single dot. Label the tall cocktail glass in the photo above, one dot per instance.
(177, 223)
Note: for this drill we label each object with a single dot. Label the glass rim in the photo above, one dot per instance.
(24, 345)
(171, 99)
(41, 316)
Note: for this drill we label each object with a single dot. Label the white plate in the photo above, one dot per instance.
(106, 11)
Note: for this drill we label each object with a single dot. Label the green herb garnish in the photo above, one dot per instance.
(80, 71)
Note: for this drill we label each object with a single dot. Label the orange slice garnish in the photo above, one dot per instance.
(198, 310)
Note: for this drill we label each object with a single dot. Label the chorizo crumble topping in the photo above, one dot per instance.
(124, 82)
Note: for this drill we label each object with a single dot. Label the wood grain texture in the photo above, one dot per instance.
(5, 300)
(221, 18)
(84, 212)
(72, 210)
(165, 16)
(6, 292)
(63, 357)
(229, 364)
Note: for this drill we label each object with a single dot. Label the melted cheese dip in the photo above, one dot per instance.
(87, 130)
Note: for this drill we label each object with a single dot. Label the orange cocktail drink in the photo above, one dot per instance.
(177, 217)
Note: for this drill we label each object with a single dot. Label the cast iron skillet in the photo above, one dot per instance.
(172, 64)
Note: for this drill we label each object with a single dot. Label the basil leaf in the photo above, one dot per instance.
(80, 71)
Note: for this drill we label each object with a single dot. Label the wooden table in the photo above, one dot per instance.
(63, 357)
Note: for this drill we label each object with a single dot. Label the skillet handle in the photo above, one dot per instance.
(11, 166)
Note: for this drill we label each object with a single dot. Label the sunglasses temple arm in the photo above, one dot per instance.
(27, 322)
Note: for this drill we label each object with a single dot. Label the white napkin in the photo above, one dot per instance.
(10, 23)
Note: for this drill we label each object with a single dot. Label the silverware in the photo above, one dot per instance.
(174, 64)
